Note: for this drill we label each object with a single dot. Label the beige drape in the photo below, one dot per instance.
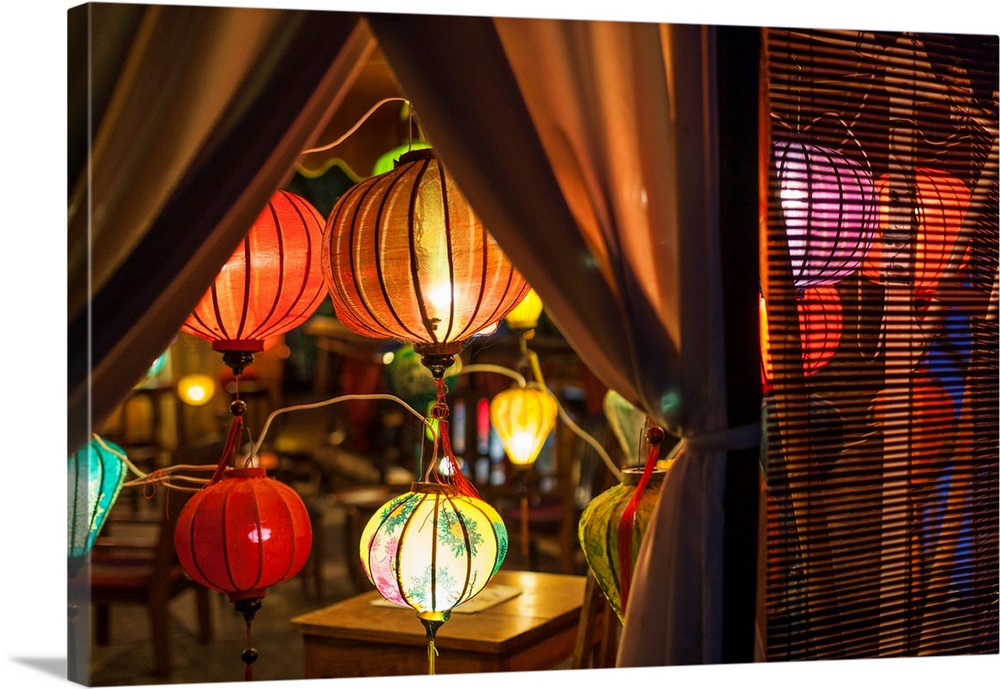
(185, 121)
(604, 189)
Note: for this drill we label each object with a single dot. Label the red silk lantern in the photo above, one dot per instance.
(242, 534)
(272, 283)
(406, 258)
(828, 203)
(821, 321)
(941, 204)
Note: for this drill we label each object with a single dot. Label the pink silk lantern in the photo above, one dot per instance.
(828, 202)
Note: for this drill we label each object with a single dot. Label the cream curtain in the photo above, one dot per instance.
(590, 149)
(184, 121)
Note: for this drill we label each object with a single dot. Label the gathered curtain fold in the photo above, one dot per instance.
(193, 117)
(590, 151)
(588, 148)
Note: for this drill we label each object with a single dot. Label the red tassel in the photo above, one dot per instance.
(229, 449)
(626, 524)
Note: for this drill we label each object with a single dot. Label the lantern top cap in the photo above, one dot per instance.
(245, 472)
(414, 155)
(430, 487)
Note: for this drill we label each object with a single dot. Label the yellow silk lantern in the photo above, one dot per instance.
(432, 549)
(525, 315)
(523, 417)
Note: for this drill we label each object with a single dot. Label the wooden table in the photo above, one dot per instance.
(534, 630)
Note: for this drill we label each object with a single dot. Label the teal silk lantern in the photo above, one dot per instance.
(96, 477)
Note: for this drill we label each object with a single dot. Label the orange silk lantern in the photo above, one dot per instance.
(406, 258)
(272, 283)
(942, 201)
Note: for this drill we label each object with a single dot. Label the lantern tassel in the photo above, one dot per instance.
(248, 607)
(229, 449)
(627, 523)
(431, 654)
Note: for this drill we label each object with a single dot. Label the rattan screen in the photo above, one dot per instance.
(880, 372)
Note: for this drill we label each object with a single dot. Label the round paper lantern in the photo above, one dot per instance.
(432, 549)
(405, 258)
(525, 315)
(243, 534)
(96, 477)
(523, 417)
(272, 283)
(411, 381)
(921, 416)
(821, 321)
(828, 203)
(599, 530)
(942, 201)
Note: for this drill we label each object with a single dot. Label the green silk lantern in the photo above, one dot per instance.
(96, 477)
(599, 530)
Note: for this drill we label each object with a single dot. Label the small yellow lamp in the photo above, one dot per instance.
(196, 389)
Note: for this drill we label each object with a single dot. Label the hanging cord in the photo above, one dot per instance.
(537, 372)
(172, 477)
(353, 129)
(626, 525)
(337, 400)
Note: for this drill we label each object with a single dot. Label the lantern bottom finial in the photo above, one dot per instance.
(432, 621)
(438, 357)
(248, 607)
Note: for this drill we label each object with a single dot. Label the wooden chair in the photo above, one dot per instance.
(134, 563)
(598, 632)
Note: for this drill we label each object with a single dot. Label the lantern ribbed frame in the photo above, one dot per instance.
(272, 283)
(406, 258)
(96, 477)
(598, 529)
(433, 548)
(523, 417)
(829, 208)
(243, 534)
(942, 200)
